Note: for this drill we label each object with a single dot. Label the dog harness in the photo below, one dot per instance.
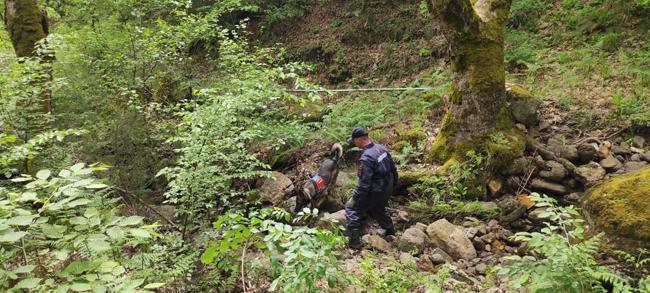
(319, 184)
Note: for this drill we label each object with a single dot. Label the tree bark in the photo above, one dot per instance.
(478, 118)
(26, 24)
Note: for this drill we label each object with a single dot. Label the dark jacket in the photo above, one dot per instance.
(377, 174)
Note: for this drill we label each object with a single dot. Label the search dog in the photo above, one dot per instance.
(316, 190)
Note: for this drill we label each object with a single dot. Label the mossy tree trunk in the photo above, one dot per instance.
(478, 118)
(27, 24)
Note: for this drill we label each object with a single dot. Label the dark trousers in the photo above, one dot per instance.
(358, 210)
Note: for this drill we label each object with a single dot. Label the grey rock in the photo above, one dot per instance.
(442, 253)
(564, 150)
(638, 141)
(556, 171)
(524, 111)
(471, 232)
(517, 167)
(611, 163)
(424, 263)
(481, 268)
(634, 166)
(451, 239)
(421, 226)
(621, 149)
(412, 240)
(636, 158)
(479, 245)
(545, 186)
(587, 152)
(572, 197)
(646, 156)
(289, 204)
(339, 217)
(407, 259)
(437, 259)
(273, 190)
(590, 173)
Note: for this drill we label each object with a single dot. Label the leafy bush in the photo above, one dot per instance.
(563, 255)
(634, 109)
(302, 258)
(60, 232)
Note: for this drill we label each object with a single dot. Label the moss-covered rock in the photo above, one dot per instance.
(620, 206)
(523, 105)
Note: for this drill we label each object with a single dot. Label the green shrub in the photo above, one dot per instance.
(60, 232)
(563, 256)
(611, 42)
(301, 257)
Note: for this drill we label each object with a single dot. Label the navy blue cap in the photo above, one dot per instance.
(357, 132)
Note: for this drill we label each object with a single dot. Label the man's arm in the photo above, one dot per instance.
(366, 171)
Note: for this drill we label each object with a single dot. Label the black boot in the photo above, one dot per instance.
(354, 239)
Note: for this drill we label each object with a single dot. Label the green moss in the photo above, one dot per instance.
(25, 27)
(414, 136)
(400, 145)
(620, 205)
(517, 92)
(408, 178)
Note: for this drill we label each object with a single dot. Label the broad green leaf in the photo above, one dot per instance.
(51, 231)
(12, 236)
(107, 266)
(43, 174)
(129, 221)
(208, 255)
(89, 212)
(77, 167)
(24, 269)
(21, 220)
(96, 186)
(21, 179)
(65, 173)
(78, 202)
(154, 285)
(115, 232)
(140, 233)
(29, 283)
(83, 182)
(28, 196)
(132, 284)
(99, 245)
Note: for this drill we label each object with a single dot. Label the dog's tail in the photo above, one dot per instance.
(337, 152)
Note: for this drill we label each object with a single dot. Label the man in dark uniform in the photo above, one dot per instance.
(377, 181)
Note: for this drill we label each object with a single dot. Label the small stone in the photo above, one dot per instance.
(492, 225)
(516, 167)
(495, 187)
(635, 158)
(488, 247)
(442, 253)
(604, 149)
(471, 232)
(545, 186)
(637, 150)
(646, 156)
(437, 259)
(634, 166)
(482, 230)
(610, 163)
(488, 238)
(590, 173)
(481, 268)
(572, 197)
(638, 141)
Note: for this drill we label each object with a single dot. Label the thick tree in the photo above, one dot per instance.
(26, 24)
(478, 117)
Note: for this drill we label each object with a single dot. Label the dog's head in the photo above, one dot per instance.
(336, 152)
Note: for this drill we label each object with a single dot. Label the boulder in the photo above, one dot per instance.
(556, 171)
(587, 152)
(412, 240)
(523, 105)
(377, 243)
(590, 173)
(631, 166)
(620, 205)
(545, 186)
(611, 164)
(451, 239)
(273, 190)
